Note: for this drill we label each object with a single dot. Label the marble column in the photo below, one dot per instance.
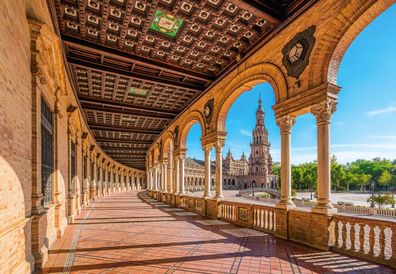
(155, 177)
(207, 193)
(219, 170)
(177, 175)
(182, 186)
(285, 123)
(323, 112)
(165, 176)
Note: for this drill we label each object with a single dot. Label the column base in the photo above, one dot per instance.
(324, 209)
(207, 196)
(218, 197)
(285, 205)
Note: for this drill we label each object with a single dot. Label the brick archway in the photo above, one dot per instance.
(191, 119)
(342, 30)
(246, 80)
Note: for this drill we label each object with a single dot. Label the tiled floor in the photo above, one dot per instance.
(131, 233)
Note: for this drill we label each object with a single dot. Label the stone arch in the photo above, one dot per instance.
(327, 55)
(246, 80)
(156, 155)
(192, 118)
(168, 143)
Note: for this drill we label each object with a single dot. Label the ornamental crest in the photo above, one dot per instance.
(208, 111)
(296, 52)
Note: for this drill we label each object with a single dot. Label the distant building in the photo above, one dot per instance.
(239, 173)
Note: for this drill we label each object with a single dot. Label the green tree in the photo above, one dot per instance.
(386, 178)
(382, 199)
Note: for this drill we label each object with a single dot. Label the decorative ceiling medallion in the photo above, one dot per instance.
(208, 111)
(138, 92)
(296, 52)
(166, 23)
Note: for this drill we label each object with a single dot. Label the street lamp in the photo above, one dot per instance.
(372, 193)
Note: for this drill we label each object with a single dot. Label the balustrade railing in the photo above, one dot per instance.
(264, 218)
(365, 238)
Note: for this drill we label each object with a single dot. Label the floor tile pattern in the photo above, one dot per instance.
(132, 233)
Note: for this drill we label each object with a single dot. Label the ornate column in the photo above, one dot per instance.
(207, 193)
(94, 179)
(170, 172)
(219, 169)
(323, 112)
(164, 175)
(177, 175)
(155, 177)
(285, 123)
(182, 162)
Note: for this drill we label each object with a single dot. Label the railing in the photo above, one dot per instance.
(353, 209)
(370, 239)
(227, 211)
(271, 191)
(264, 218)
(363, 237)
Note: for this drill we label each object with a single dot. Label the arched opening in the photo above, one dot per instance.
(253, 138)
(363, 132)
(194, 154)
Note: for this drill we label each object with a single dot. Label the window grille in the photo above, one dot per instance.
(73, 167)
(46, 152)
(98, 179)
(84, 175)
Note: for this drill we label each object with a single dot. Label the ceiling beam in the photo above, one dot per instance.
(127, 153)
(123, 109)
(124, 129)
(123, 141)
(134, 75)
(135, 59)
(122, 104)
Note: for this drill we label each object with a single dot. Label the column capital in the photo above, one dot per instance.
(285, 123)
(324, 110)
(180, 152)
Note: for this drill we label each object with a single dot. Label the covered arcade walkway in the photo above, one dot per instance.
(132, 233)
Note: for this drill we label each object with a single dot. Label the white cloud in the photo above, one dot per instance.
(383, 137)
(245, 132)
(381, 111)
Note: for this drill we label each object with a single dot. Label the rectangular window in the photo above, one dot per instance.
(73, 167)
(46, 152)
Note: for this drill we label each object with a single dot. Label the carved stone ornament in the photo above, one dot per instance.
(208, 111)
(324, 110)
(296, 52)
(285, 123)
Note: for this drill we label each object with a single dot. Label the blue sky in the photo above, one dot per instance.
(364, 125)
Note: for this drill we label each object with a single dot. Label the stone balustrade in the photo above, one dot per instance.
(363, 237)
(366, 238)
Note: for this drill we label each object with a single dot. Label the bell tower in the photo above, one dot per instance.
(260, 159)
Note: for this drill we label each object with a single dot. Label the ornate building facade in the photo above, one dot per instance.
(255, 171)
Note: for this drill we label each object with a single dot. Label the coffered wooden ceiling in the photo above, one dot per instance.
(137, 64)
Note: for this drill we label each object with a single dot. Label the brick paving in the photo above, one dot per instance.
(132, 233)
